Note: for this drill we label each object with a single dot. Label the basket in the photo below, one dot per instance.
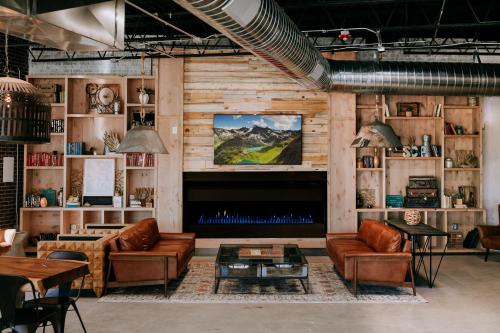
(412, 217)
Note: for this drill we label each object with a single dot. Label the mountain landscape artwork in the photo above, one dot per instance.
(258, 139)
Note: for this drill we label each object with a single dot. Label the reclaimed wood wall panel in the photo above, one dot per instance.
(247, 85)
(169, 124)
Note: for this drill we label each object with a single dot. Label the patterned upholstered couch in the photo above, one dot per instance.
(94, 243)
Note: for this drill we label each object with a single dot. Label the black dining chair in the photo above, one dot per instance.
(19, 318)
(59, 298)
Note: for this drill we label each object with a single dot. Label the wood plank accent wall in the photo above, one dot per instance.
(248, 85)
(169, 94)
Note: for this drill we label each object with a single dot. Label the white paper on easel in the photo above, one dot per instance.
(99, 178)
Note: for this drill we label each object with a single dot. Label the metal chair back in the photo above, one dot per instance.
(65, 289)
(10, 287)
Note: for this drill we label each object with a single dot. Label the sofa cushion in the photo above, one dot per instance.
(182, 247)
(142, 236)
(380, 237)
(338, 248)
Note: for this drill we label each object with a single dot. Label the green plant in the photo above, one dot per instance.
(145, 90)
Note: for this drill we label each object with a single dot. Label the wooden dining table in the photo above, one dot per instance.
(44, 273)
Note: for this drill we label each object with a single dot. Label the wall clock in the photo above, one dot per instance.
(105, 98)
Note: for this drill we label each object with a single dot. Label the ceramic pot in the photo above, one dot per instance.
(143, 98)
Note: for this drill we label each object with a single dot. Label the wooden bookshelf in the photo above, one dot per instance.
(88, 127)
(392, 176)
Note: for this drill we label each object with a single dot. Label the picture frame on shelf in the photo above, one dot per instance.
(403, 108)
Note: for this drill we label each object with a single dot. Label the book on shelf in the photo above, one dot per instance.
(140, 160)
(449, 129)
(75, 148)
(437, 110)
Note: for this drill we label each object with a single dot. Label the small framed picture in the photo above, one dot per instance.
(455, 226)
(408, 109)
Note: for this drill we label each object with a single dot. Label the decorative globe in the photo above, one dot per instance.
(412, 217)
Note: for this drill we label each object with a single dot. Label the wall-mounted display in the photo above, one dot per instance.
(257, 139)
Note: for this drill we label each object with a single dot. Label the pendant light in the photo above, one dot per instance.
(24, 111)
(142, 139)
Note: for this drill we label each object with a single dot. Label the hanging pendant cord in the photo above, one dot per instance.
(6, 68)
(142, 113)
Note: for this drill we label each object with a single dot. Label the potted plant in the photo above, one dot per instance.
(144, 94)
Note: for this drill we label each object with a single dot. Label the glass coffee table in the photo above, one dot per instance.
(229, 264)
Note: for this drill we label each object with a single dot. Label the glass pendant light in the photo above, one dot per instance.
(24, 111)
(142, 139)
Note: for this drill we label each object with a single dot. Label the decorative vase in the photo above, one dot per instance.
(376, 159)
(143, 98)
(412, 217)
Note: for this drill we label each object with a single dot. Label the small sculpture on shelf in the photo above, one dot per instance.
(111, 142)
(74, 198)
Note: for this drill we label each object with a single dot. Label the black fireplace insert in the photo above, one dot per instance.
(255, 204)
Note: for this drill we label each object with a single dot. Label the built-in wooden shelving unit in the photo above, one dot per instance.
(88, 127)
(392, 175)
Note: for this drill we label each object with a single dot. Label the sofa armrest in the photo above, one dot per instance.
(486, 231)
(342, 235)
(171, 235)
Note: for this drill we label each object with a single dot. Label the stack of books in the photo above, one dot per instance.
(140, 160)
(75, 148)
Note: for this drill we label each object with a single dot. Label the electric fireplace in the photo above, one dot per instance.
(255, 204)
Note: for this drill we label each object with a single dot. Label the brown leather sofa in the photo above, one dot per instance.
(377, 254)
(490, 237)
(141, 255)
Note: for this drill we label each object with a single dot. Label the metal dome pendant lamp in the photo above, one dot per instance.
(24, 111)
(142, 139)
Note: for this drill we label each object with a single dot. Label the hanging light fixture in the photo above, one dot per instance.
(24, 111)
(142, 139)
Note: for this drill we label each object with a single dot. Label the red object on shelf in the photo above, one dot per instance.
(140, 160)
(44, 159)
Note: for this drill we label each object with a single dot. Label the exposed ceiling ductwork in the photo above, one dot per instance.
(262, 27)
(74, 25)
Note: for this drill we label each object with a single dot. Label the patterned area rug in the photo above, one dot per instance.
(196, 286)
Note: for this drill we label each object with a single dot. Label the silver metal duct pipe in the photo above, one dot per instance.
(261, 27)
(71, 25)
(417, 78)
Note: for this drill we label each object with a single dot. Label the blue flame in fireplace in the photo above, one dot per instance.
(227, 218)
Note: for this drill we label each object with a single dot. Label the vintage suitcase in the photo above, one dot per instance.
(422, 192)
(422, 202)
(423, 182)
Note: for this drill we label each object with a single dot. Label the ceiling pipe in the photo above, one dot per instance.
(263, 28)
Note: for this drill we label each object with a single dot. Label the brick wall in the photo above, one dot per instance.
(9, 208)
(18, 62)
(108, 67)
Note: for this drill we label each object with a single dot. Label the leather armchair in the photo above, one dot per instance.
(377, 254)
(490, 238)
(141, 255)
(6, 238)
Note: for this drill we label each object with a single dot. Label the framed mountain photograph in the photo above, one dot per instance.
(257, 139)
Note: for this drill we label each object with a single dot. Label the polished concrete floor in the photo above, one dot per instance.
(466, 298)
